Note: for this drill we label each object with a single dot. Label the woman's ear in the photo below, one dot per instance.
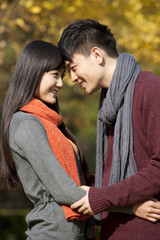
(97, 54)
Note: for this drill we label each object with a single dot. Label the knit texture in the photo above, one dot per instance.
(60, 145)
(116, 108)
(145, 183)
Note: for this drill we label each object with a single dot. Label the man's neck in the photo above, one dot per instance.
(109, 68)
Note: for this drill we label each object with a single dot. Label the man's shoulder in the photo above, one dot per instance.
(146, 77)
(147, 86)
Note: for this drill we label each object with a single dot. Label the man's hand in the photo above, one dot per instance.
(83, 204)
(148, 210)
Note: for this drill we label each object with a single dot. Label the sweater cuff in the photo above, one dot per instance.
(96, 200)
(98, 203)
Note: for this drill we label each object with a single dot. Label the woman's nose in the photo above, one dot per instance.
(60, 83)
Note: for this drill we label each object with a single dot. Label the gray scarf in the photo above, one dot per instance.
(116, 108)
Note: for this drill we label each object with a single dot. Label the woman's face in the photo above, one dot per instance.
(50, 83)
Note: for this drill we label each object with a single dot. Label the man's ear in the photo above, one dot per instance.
(97, 54)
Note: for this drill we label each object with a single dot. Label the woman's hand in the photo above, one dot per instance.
(85, 188)
(83, 204)
(148, 210)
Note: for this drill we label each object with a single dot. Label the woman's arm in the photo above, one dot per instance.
(31, 138)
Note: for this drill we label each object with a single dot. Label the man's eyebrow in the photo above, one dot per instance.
(68, 65)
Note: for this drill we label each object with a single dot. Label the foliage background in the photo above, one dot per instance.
(135, 24)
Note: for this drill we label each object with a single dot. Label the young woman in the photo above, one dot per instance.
(38, 150)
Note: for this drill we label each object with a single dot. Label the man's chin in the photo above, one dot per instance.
(88, 91)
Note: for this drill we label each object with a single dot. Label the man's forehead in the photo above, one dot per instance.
(74, 59)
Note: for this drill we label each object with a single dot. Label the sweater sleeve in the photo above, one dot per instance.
(31, 139)
(145, 183)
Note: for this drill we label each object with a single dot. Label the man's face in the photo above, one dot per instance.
(85, 71)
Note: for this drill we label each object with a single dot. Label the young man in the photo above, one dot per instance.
(128, 130)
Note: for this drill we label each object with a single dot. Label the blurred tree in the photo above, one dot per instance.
(135, 24)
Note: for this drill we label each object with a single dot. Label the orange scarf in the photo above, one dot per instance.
(60, 145)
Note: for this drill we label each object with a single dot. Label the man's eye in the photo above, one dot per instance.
(73, 68)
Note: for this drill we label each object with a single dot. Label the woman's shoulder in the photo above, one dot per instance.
(23, 117)
(22, 120)
(23, 126)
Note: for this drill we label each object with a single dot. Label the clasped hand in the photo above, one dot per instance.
(83, 204)
(148, 210)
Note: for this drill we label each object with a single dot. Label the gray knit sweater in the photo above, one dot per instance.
(44, 181)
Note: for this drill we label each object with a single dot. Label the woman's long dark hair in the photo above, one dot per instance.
(35, 59)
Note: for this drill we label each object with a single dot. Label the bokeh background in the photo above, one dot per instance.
(135, 24)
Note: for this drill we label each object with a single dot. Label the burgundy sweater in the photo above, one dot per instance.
(146, 182)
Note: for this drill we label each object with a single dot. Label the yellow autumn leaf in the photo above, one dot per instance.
(35, 9)
(27, 4)
(3, 6)
(20, 22)
(2, 29)
(48, 5)
(71, 9)
(79, 3)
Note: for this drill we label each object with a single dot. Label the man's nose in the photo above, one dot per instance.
(74, 76)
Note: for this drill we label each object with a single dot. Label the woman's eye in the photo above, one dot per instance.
(55, 74)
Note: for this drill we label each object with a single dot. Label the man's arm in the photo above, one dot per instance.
(148, 210)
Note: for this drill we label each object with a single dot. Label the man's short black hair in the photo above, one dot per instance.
(82, 35)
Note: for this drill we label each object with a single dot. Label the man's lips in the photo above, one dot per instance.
(81, 83)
